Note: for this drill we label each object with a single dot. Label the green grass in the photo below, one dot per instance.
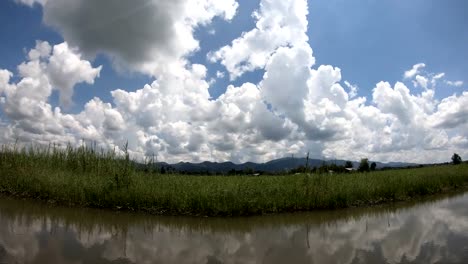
(88, 178)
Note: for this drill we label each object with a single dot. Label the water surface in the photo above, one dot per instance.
(434, 231)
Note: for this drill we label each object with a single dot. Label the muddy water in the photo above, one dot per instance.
(434, 231)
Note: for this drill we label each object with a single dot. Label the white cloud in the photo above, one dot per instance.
(5, 76)
(452, 112)
(460, 141)
(421, 81)
(31, 2)
(436, 78)
(41, 51)
(126, 31)
(454, 83)
(415, 70)
(325, 105)
(279, 24)
(353, 89)
(429, 80)
(396, 101)
(295, 108)
(439, 76)
(285, 81)
(57, 67)
(25, 102)
(66, 69)
(220, 74)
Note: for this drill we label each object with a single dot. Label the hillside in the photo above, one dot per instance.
(273, 166)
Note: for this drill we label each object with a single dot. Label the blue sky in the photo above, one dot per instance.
(370, 41)
(378, 40)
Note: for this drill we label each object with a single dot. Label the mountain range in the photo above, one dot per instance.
(273, 166)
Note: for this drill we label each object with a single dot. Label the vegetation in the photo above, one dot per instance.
(456, 159)
(324, 168)
(364, 165)
(348, 164)
(90, 178)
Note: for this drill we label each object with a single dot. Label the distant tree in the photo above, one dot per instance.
(364, 165)
(348, 164)
(456, 159)
(248, 171)
(300, 169)
(373, 166)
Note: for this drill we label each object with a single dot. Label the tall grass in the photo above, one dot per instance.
(86, 177)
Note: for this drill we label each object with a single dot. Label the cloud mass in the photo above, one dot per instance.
(150, 36)
(296, 107)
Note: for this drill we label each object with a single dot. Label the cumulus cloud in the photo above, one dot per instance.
(396, 101)
(326, 105)
(25, 103)
(452, 112)
(5, 76)
(421, 81)
(279, 24)
(66, 69)
(151, 36)
(428, 80)
(297, 106)
(286, 92)
(57, 67)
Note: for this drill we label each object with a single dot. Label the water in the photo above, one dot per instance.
(434, 231)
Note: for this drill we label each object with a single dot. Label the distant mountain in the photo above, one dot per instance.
(273, 166)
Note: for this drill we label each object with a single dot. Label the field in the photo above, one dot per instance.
(89, 178)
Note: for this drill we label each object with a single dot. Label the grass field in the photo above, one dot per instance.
(85, 177)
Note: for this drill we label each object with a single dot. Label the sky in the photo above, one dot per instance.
(196, 80)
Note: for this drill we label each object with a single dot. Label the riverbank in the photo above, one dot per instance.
(81, 177)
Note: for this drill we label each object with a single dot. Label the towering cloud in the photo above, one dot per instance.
(279, 24)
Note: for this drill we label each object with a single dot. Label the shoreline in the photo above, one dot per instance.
(377, 202)
(40, 208)
(387, 203)
(79, 177)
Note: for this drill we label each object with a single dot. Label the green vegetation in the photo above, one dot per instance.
(456, 159)
(348, 164)
(364, 165)
(90, 178)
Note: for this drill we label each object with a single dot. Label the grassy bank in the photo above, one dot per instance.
(84, 177)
